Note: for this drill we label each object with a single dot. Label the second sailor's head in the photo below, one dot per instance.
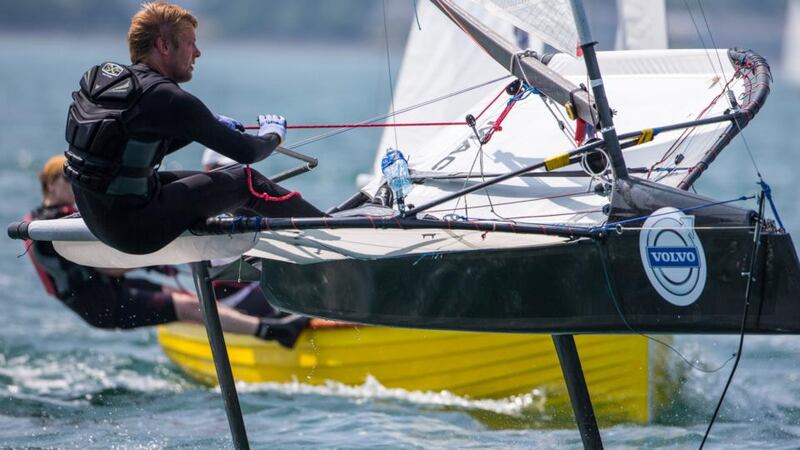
(56, 190)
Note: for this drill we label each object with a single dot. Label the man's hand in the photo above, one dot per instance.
(233, 124)
(272, 123)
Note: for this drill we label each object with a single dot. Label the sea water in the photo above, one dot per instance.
(65, 385)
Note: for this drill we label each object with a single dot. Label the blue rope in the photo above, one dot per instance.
(237, 220)
(526, 92)
(768, 193)
(258, 228)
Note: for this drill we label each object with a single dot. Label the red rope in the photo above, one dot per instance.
(580, 131)
(490, 103)
(263, 195)
(365, 125)
(385, 125)
(497, 124)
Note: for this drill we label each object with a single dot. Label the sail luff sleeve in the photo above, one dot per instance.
(546, 80)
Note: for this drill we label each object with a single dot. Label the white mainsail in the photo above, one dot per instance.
(646, 88)
(641, 25)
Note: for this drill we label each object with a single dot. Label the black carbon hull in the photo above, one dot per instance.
(561, 288)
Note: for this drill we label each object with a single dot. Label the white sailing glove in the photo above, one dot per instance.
(272, 123)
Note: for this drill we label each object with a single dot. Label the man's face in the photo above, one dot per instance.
(180, 60)
(60, 192)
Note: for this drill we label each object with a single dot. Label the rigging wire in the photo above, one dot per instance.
(747, 149)
(764, 186)
(516, 202)
(767, 191)
(702, 40)
(686, 136)
(469, 175)
(416, 14)
(526, 91)
(488, 195)
(613, 225)
(447, 96)
(562, 124)
(748, 290)
(389, 70)
(610, 287)
(711, 36)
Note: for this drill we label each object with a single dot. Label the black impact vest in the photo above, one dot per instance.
(103, 156)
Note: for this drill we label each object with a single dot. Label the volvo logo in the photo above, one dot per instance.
(672, 256)
(112, 70)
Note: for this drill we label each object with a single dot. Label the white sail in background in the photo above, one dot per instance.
(791, 43)
(439, 59)
(641, 25)
(549, 20)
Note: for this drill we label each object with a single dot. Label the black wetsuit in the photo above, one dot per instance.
(177, 200)
(101, 300)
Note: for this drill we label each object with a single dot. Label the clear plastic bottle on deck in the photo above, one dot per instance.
(395, 170)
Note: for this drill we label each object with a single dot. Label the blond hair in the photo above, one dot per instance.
(51, 171)
(153, 20)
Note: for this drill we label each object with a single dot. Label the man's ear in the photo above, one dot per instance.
(161, 45)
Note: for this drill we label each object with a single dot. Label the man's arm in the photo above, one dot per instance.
(174, 113)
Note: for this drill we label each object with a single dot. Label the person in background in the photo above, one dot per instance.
(108, 298)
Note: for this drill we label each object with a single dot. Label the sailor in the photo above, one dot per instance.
(125, 119)
(107, 298)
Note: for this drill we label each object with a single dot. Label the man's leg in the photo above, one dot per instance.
(284, 330)
(187, 308)
(204, 194)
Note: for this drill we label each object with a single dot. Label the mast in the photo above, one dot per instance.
(596, 81)
(545, 79)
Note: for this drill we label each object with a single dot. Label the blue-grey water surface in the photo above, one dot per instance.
(65, 385)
